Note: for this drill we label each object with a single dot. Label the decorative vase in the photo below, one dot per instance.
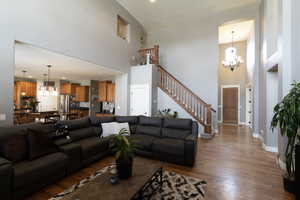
(289, 185)
(297, 171)
(124, 168)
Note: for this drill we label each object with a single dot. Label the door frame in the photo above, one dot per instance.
(239, 101)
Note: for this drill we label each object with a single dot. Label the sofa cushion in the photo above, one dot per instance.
(166, 146)
(148, 130)
(150, 121)
(40, 143)
(143, 142)
(178, 123)
(175, 133)
(15, 148)
(28, 172)
(76, 124)
(83, 133)
(7, 132)
(129, 119)
(96, 121)
(92, 146)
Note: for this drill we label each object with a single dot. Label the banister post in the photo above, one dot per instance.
(208, 128)
(156, 54)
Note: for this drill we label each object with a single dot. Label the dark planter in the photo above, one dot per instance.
(297, 171)
(289, 185)
(124, 167)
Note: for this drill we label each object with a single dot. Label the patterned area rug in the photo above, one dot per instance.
(175, 187)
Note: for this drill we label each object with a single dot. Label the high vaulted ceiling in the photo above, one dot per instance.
(162, 12)
(241, 30)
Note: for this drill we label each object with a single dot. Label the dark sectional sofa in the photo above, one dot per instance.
(171, 140)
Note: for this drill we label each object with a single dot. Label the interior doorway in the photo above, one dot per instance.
(230, 104)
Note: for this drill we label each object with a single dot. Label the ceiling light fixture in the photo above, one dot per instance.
(48, 87)
(23, 93)
(152, 1)
(232, 60)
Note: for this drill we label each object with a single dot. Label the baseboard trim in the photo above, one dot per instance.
(265, 147)
(258, 136)
(207, 136)
(281, 164)
(270, 148)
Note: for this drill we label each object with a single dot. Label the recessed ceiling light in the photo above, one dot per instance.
(29, 76)
(152, 1)
(63, 78)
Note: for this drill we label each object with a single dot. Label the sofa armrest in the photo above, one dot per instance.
(191, 145)
(6, 173)
(73, 151)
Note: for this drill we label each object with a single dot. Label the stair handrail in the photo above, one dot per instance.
(190, 91)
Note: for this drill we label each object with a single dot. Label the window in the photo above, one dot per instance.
(123, 29)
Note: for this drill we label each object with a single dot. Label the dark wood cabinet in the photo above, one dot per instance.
(82, 94)
(68, 88)
(106, 91)
(111, 92)
(24, 88)
(102, 91)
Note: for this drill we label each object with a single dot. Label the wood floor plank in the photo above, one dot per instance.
(234, 165)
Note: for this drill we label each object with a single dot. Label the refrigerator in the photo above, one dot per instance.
(64, 103)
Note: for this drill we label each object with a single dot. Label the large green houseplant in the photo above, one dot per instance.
(124, 149)
(287, 117)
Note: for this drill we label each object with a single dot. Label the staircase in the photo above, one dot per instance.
(183, 96)
(188, 100)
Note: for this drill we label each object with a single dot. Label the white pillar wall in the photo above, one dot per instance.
(6, 78)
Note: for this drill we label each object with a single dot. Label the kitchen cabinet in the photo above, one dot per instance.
(104, 115)
(106, 91)
(68, 89)
(111, 92)
(102, 91)
(82, 94)
(25, 88)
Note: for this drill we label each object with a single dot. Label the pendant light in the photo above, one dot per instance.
(23, 93)
(232, 60)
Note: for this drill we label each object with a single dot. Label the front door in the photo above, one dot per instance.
(230, 105)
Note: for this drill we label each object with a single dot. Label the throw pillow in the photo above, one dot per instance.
(113, 128)
(15, 148)
(108, 129)
(40, 143)
(120, 126)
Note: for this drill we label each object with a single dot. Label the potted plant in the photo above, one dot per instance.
(123, 149)
(287, 117)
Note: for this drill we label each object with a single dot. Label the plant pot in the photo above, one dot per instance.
(297, 170)
(289, 185)
(124, 167)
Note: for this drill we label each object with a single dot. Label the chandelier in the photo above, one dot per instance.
(48, 87)
(232, 60)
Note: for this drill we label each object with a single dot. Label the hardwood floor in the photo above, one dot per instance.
(234, 165)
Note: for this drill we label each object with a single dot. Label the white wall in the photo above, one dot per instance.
(189, 50)
(122, 95)
(146, 75)
(82, 29)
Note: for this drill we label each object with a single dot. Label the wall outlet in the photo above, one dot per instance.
(2, 117)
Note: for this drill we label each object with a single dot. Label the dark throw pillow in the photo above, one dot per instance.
(40, 143)
(15, 148)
